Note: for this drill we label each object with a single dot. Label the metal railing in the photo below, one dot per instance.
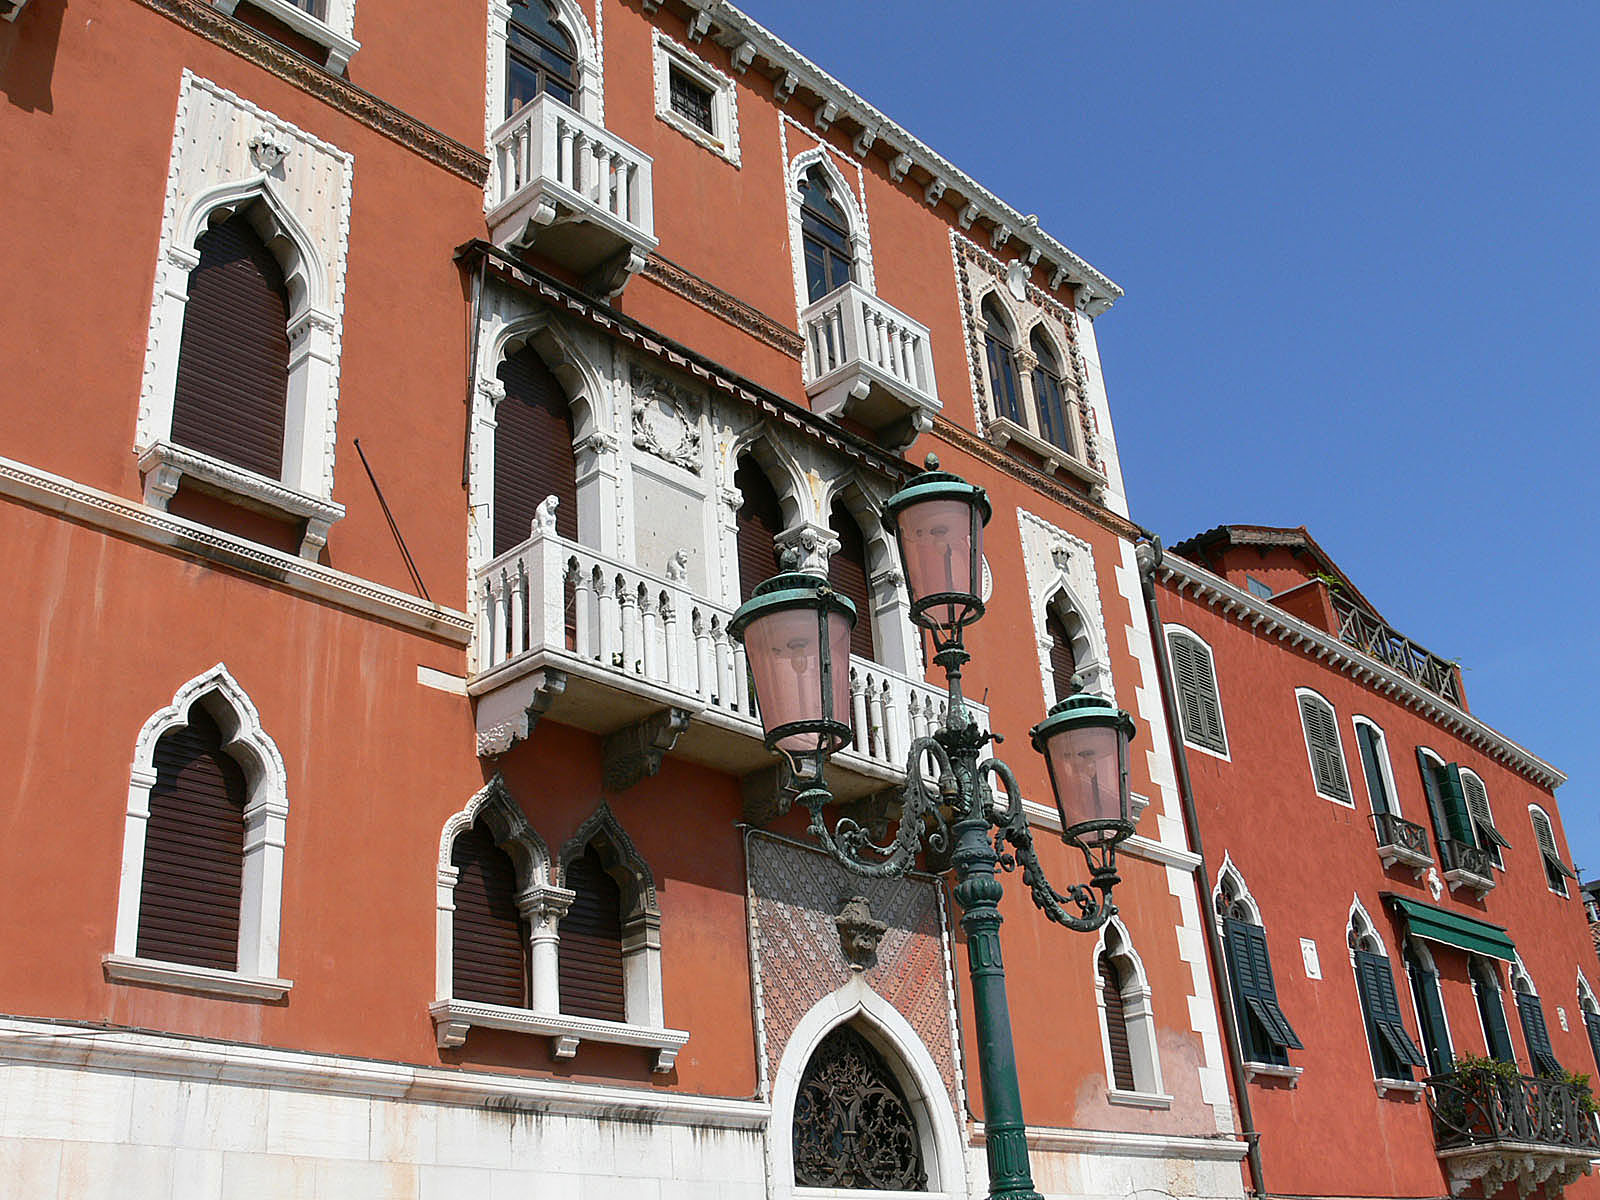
(1469, 860)
(1371, 636)
(554, 596)
(1480, 1109)
(545, 142)
(1401, 834)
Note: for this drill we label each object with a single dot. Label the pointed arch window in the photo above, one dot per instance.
(849, 574)
(533, 455)
(1426, 994)
(1050, 394)
(541, 57)
(1491, 1009)
(1265, 1034)
(1116, 1023)
(1127, 1023)
(1063, 659)
(1590, 1009)
(760, 521)
(1394, 1054)
(853, 1125)
(1001, 348)
(233, 360)
(824, 236)
(490, 944)
(591, 942)
(1199, 704)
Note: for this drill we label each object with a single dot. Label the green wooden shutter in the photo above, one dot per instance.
(1367, 739)
(1267, 1032)
(1265, 1003)
(1591, 1022)
(1537, 1035)
(1492, 1012)
(1197, 693)
(1394, 1053)
(1322, 740)
(1546, 837)
(1477, 800)
(1430, 788)
(1430, 1007)
(1456, 813)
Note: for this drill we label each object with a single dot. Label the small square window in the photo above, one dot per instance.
(1257, 588)
(690, 100)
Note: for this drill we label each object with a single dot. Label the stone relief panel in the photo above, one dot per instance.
(666, 420)
(813, 924)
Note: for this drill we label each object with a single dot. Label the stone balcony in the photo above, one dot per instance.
(868, 361)
(567, 633)
(576, 194)
(1511, 1134)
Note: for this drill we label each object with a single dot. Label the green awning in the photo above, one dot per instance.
(1453, 929)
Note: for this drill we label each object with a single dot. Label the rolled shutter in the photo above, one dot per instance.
(233, 360)
(533, 455)
(193, 850)
(591, 943)
(847, 572)
(489, 938)
(1116, 1024)
(1063, 663)
(760, 520)
(1322, 740)
(1537, 1035)
(1372, 767)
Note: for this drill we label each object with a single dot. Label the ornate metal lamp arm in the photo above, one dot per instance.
(1011, 826)
(921, 820)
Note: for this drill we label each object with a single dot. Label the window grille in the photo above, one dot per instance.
(690, 100)
(853, 1127)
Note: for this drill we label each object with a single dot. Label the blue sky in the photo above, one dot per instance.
(1359, 245)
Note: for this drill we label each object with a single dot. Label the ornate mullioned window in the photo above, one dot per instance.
(853, 1127)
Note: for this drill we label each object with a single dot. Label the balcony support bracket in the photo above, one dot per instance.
(1506, 1165)
(635, 751)
(510, 715)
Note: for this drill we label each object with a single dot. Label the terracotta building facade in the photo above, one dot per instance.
(1400, 939)
(387, 813)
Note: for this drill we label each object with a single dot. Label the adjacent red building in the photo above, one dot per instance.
(1390, 888)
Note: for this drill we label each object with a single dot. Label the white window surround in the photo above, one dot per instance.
(1333, 720)
(542, 903)
(1255, 1070)
(1061, 575)
(1239, 893)
(294, 189)
(333, 33)
(1468, 775)
(266, 813)
(850, 200)
(1550, 828)
(1138, 1017)
(1384, 766)
(590, 98)
(723, 138)
(1224, 755)
(943, 1139)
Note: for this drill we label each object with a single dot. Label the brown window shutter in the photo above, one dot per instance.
(532, 452)
(591, 943)
(193, 850)
(760, 520)
(233, 361)
(847, 572)
(489, 938)
(1063, 663)
(1116, 1024)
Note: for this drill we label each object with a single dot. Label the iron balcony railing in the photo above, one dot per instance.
(1482, 1110)
(1371, 636)
(1400, 834)
(1469, 860)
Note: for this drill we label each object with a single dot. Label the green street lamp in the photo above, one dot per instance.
(796, 635)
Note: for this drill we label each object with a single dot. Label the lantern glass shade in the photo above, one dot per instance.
(941, 545)
(796, 636)
(1084, 741)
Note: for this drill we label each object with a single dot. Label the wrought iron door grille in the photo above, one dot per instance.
(852, 1124)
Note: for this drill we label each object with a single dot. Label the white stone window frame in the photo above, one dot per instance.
(1550, 827)
(266, 813)
(851, 199)
(1425, 959)
(1338, 737)
(1385, 767)
(542, 901)
(334, 32)
(1061, 575)
(590, 99)
(1497, 857)
(943, 1139)
(1138, 1017)
(1226, 754)
(723, 137)
(273, 172)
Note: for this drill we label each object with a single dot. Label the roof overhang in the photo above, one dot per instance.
(1454, 929)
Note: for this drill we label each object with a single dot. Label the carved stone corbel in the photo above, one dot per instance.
(967, 215)
(864, 140)
(743, 55)
(608, 279)
(635, 751)
(899, 167)
(768, 794)
(934, 192)
(785, 87)
(827, 112)
(528, 699)
(859, 934)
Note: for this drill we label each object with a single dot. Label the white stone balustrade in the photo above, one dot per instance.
(870, 361)
(554, 604)
(564, 184)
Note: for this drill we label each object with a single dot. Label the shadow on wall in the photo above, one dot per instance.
(28, 54)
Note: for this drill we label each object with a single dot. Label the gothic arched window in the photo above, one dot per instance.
(532, 451)
(591, 942)
(540, 56)
(760, 520)
(1000, 342)
(853, 1128)
(1050, 394)
(849, 574)
(825, 235)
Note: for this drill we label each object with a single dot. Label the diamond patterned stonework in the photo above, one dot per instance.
(796, 895)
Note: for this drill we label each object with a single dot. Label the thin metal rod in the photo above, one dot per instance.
(411, 566)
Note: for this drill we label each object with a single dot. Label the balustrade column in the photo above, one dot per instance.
(703, 683)
(516, 620)
(742, 698)
(601, 193)
(722, 693)
(609, 619)
(858, 711)
(892, 749)
(669, 639)
(489, 643)
(650, 628)
(628, 625)
(566, 164)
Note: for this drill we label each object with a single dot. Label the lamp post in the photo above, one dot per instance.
(796, 634)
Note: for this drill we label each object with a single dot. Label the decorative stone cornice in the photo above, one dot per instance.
(724, 305)
(1268, 620)
(233, 35)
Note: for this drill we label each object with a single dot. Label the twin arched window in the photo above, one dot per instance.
(824, 236)
(540, 56)
(1000, 344)
(1050, 395)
